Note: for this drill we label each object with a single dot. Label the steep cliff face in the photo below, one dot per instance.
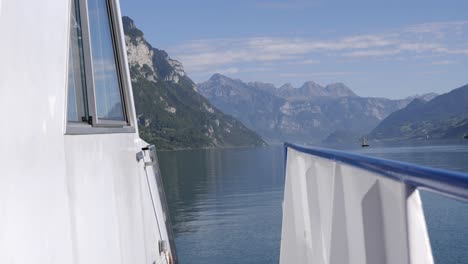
(306, 114)
(170, 112)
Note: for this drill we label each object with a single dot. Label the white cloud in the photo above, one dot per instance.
(443, 62)
(420, 47)
(316, 74)
(202, 54)
(437, 27)
(231, 70)
(284, 4)
(411, 42)
(431, 72)
(372, 53)
(458, 51)
(305, 62)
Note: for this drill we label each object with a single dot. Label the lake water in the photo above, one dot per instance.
(225, 204)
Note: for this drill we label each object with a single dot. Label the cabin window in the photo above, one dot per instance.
(96, 94)
(106, 77)
(77, 98)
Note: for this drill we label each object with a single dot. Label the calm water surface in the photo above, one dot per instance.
(225, 204)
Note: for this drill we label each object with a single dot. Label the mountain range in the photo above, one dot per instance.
(307, 114)
(171, 113)
(445, 116)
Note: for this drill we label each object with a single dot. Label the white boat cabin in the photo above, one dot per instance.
(77, 184)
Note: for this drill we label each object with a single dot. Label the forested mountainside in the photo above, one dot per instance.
(445, 116)
(171, 113)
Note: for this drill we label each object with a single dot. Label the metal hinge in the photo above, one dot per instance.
(88, 119)
(164, 250)
(163, 246)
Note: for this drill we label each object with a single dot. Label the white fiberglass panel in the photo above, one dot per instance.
(64, 199)
(105, 182)
(34, 214)
(337, 213)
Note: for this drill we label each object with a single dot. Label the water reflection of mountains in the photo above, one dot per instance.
(215, 181)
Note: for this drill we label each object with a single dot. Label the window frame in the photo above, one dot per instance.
(94, 125)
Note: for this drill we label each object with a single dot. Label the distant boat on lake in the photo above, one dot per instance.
(364, 142)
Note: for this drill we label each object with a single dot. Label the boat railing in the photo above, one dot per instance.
(341, 207)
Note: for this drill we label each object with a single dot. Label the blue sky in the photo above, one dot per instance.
(378, 48)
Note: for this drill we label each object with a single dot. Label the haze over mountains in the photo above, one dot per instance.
(170, 111)
(445, 116)
(307, 114)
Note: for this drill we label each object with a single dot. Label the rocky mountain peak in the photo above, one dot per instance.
(130, 28)
(311, 84)
(151, 63)
(339, 90)
(312, 89)
(222, 80)
(286, 86)
(219, 77)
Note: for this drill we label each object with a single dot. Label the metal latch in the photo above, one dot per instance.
(147, 155)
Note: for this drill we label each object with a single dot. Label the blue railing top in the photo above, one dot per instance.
(449, 183)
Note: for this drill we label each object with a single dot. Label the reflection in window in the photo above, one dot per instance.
(77, 104)
(106, 77)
